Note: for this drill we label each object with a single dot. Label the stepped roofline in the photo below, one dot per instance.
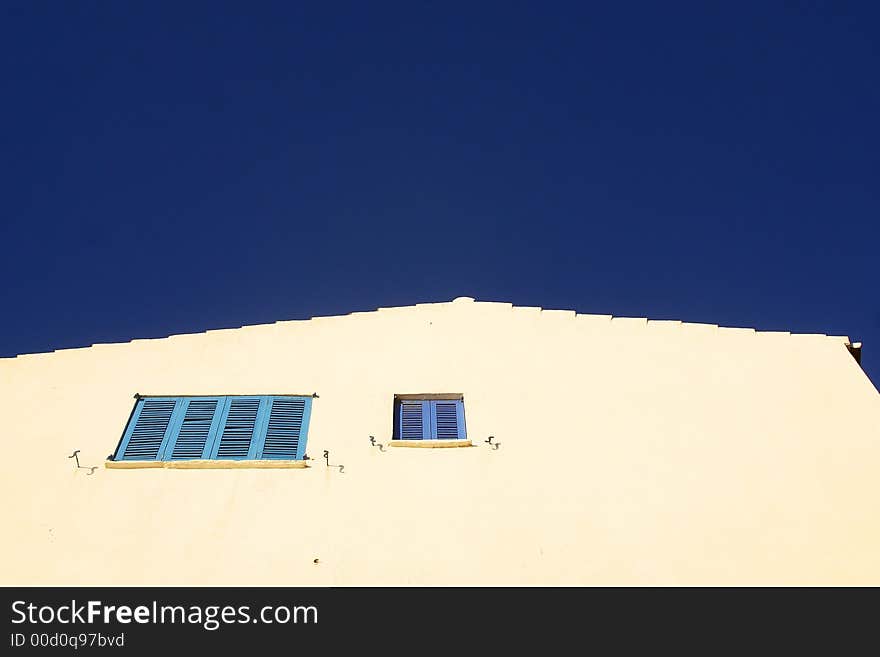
(463, 302)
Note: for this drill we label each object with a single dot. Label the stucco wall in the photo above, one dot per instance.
(633, 452)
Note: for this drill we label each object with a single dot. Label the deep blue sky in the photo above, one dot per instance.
(170, 168)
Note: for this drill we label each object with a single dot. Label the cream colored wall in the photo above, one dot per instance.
(633, 452)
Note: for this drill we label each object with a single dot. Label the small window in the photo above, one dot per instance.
(234, 428)
(428, 418)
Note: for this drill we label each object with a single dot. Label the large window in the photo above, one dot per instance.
(429, 418)
(216, 428)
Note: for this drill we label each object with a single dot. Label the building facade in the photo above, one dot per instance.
(624, 451)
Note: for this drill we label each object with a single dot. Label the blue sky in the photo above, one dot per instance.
(174, 167)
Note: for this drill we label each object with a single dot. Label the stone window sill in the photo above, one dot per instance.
(431, 443)
(205, 464)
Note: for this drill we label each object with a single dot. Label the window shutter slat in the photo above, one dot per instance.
(415, 420)
(192, 438)
(287, 422)
(237, 428)
(148, 431)
(444, 415)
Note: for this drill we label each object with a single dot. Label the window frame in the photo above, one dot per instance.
(429, 417)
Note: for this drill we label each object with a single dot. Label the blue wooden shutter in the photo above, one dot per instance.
(238, 426)
(447, 419)
(286, 428)
(192, 437)
(148, 430)
(233, 427)
(414, 420)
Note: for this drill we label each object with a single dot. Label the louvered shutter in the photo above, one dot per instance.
(436, 419)
(284, 436)
(413, 420)
(447, 420)
(192, 438)
(238, 426)
(232, 427)
(148, 430)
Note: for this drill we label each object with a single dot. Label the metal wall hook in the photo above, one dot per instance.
(374, 444)
(329, 465)
(494, 445)
(75, 455)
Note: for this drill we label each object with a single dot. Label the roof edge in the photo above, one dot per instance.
(641, 322)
